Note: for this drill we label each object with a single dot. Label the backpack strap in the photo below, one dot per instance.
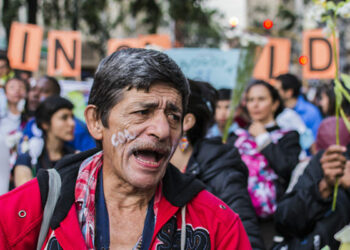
(54, 188)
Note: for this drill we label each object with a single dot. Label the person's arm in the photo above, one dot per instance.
(226, 176)
(230, 185)
(22, 170)
(333, 165)
(22, 174)
(298, 211)
(284, 155)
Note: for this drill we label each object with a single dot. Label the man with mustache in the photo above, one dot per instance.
(124, 194)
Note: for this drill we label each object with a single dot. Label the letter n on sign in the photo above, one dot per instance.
(24, 46)
(319, 50)
(64, 53)
(274, 59)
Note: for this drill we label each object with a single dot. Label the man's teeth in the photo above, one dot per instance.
(147, 162)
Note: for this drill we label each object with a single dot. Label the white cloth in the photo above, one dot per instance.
(4, 166)
(290, 119)
(10, 123)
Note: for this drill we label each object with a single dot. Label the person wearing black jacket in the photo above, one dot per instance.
(304, 216)
(270, 153)
(217, 165)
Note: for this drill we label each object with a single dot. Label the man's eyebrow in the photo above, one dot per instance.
(143, 105)
(152, 105)
(172, 107)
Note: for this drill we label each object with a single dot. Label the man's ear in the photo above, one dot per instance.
(93, 124)
(188, 122)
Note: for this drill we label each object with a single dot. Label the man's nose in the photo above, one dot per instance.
(160, 126)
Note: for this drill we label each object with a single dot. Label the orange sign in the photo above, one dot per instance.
(274, 59)
(24, 46)
(319, 49)
(118, 44)
(160, 40)
(64, 53)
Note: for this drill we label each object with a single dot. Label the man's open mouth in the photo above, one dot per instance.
(148, 157)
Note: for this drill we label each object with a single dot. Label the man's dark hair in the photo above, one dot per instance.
(273, 92)
(54, 84)
(133, 68)
(289, 81)
(201, 104)
(48, 108)
(5, 58)
(224, 94)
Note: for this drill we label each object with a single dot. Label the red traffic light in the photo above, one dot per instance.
(267, 24)
(303, 60)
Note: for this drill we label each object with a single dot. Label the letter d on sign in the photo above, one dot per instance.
(319, 49)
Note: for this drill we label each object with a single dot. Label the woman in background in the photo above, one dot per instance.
(55, 118)
(270, 153)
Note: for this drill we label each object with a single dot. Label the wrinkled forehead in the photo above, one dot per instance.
(158, 94)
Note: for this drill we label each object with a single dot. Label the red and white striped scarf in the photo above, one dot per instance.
(85, 189)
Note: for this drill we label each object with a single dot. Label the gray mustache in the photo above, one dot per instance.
(160, 147)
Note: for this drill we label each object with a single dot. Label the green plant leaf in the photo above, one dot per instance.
(338, 95)
(346, 80)
(341, 88)
(340, 4)
(330, 5)
(345, 118)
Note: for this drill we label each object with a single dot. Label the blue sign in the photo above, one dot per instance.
(215, 66)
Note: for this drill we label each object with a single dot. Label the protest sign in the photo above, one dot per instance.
(159, 40)
(24, 46)
(64, 53)
(274, 59)
(215, 66)
(319, 51)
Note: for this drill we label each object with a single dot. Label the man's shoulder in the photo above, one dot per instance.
(213, 207)
(21, 212)
(19, 195)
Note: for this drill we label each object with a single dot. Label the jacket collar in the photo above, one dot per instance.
(178, 188)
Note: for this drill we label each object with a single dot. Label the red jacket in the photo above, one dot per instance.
(210, 223)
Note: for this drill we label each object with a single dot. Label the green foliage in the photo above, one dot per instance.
(244, 73)
(10, 13)
(153, 12)
(194, 24)
(287, 17)
(346, 80)
(332, 11)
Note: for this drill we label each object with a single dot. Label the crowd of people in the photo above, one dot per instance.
(148, 168)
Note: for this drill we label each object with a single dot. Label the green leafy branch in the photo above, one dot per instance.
(247, 60)
(331, 12)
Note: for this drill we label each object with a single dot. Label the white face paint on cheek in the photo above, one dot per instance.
(121, 138)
